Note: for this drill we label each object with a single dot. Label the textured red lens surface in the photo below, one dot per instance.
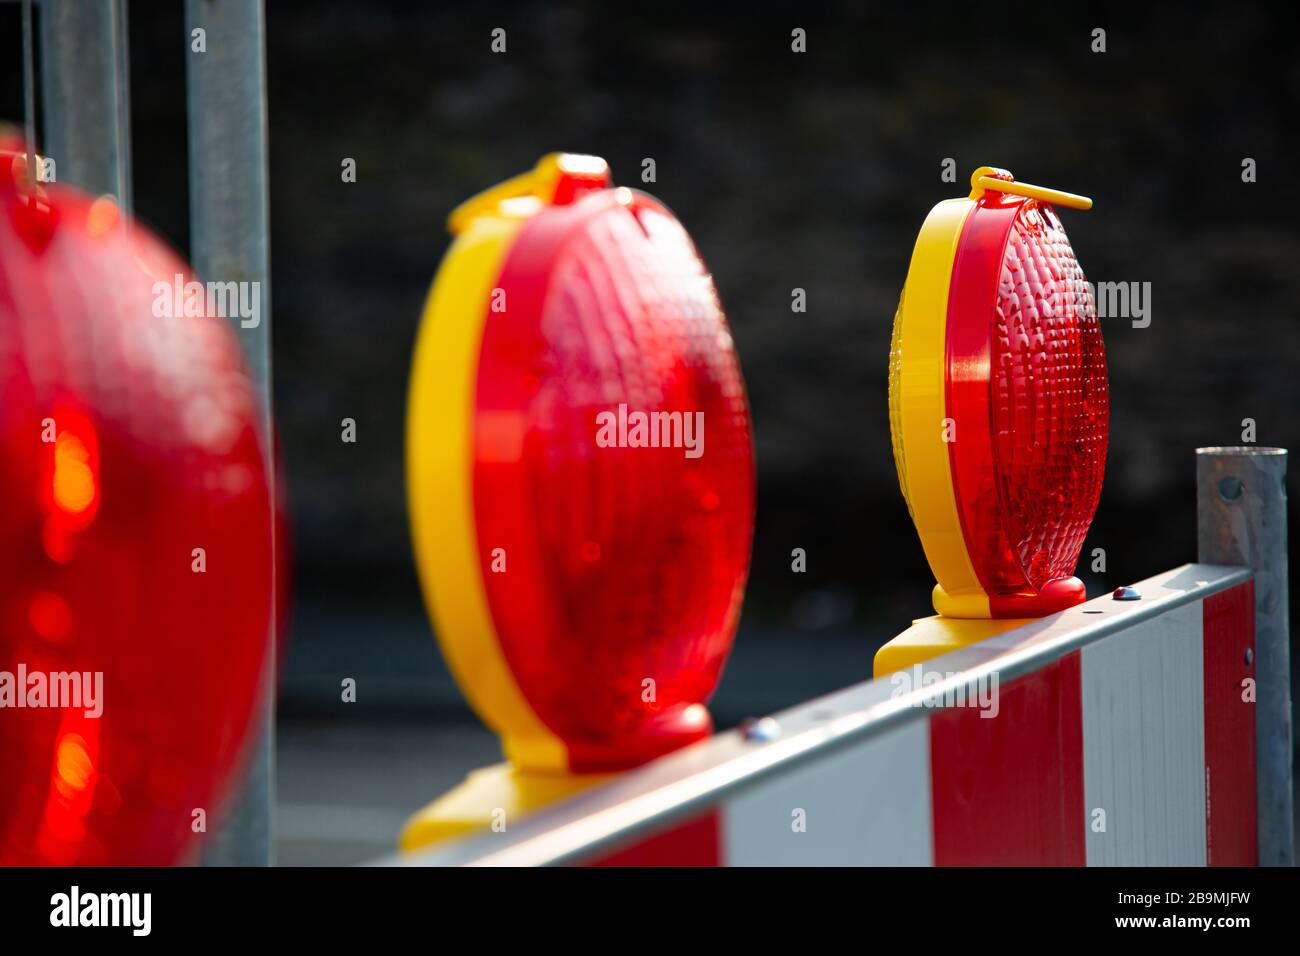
(1050, 403)
(1027, 386)
(624, 564)
(154, 454)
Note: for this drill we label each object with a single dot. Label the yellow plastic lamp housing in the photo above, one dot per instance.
(998, 400)
(580, 471)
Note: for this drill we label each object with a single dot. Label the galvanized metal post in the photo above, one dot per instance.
(1241, 519)
(226, 74)
(84, 82)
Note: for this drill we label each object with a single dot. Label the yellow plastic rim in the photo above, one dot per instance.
(439, 464)
(921, 408)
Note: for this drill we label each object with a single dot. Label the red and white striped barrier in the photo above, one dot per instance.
(1111, 733)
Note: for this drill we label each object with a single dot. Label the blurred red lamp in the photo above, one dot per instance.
(135, 577)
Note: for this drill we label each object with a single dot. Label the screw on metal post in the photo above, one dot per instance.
(1127, 593)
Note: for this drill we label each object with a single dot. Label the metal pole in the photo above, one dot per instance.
(226, 79)
(84, 82)
(29, 98)
(1241, 519)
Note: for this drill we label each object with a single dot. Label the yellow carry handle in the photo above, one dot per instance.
(537, 186)
(989, 177)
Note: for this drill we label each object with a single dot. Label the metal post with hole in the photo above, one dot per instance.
(229, 217)
(1241, 519)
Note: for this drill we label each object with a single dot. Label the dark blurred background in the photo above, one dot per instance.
(809, 170)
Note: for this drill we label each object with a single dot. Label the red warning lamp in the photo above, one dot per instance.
(998, 400)
(128, 672)
(581, 473)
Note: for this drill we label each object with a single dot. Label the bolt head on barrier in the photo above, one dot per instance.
(135, 571)
(580, 469)
(998, 400)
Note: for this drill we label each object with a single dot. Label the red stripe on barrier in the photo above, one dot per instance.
(1008, 790)
(697, 842)
(1229, 634)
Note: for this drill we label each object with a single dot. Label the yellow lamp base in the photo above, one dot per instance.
(929, 637)
(492, 796)
(963, 604)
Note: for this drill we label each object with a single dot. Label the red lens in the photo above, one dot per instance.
(1027, 388)
(624, 565)
(126, 442)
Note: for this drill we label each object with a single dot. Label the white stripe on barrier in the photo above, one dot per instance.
(868, 804)
(1144, 743)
